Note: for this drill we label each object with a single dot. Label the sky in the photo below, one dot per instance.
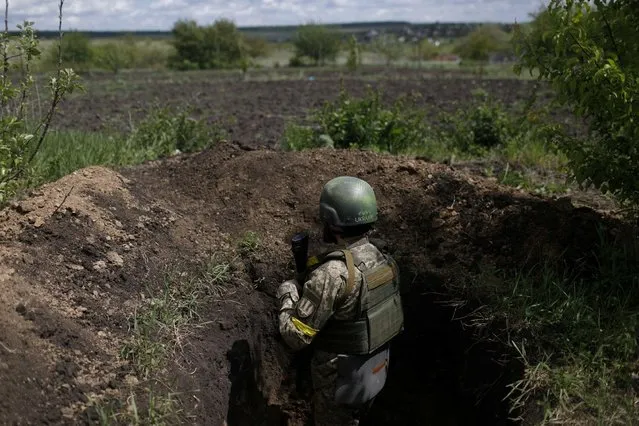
(132, 15)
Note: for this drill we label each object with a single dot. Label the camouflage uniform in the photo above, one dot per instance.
(300, 320)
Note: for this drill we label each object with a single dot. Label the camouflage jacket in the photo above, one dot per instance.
(322, 296)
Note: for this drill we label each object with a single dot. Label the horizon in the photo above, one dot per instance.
(160, 15)
(284, 26)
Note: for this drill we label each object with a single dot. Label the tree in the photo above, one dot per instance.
(316, 42)
(115, 56)
(589, 52)
(256, 47)
(482, 42)
(352, 62)
(204, 47)
(425, 50)
(20, 137)
(389, 46)
(76, 50)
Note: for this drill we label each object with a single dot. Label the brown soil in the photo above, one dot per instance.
(256, 112)
(78, 255)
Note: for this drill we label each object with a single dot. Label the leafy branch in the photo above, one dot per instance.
(20, 141)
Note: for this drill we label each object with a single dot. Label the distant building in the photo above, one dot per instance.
(448, 58)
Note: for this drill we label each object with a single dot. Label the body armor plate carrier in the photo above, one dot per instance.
(380, 314)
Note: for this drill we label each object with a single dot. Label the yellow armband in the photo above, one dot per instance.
(307, 330)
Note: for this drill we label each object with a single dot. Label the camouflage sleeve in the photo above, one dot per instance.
(299, 325)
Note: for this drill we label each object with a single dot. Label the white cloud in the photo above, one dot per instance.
(161, 14)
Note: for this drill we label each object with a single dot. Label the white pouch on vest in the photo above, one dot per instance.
(361, 377)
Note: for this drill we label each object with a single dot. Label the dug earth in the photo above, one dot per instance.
(82, 256)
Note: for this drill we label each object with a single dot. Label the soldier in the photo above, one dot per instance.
(349, 309)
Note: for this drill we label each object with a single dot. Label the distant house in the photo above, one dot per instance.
(371, 35)
(448, 58)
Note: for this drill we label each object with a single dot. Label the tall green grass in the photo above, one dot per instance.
(164, 132)
(575, 331)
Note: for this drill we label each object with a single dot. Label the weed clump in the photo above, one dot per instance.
(574, 332)
(162, 133)
(362, 123)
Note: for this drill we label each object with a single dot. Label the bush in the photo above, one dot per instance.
(590, 55)
(316, 42)
(164, 131)
(256, 47)
(352, 62)
(76, 51)
(115, 56)
(361, 123)
(295, 62)
(424, 50)
(210, 47)
(389, 47)
(482, 125)
(21, 137)
(479, 44)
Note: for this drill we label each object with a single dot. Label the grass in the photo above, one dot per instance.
(164, 132)
(249, 243)
(575, 333)
(480, 131)
(159, 329)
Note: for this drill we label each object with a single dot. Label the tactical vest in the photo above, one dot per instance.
(380, 316)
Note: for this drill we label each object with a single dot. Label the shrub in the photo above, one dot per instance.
(352, 62)
(295, 62)
(389, 47)
(482, 125)
(76, 51)
(424, 50)
(165, 131)
(589, 53)
(479, 44)
(316, 42)
(215, 46)
(20, 136)
(115, 56)
(361, 123)
(256, 47)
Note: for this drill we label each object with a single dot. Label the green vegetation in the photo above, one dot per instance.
(162, 133)
(22, 136)
(388, 47)
(482, 129)
(76, 51)
(574, 332)
(589, 53)
(215, 46)
(222, 45)
(485, 40)
(424, 50)
(317, 43)
(249, 243)
(354, 55)
(158, 329)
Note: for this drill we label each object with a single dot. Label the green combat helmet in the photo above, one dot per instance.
(348, 201)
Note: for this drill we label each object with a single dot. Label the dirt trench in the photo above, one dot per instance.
(78, 255)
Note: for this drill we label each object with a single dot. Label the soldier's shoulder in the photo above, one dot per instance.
(331, 267)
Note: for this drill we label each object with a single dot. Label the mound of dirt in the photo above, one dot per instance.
(78, 256)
